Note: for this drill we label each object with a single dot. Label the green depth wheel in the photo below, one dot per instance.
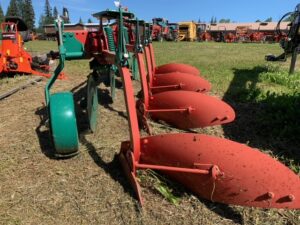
(63, 124)
(135, 68)
(92, 102)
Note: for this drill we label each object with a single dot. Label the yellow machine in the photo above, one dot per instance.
(187, 31)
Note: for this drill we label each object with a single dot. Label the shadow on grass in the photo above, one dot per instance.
(264, 120)
(223, 210)
(79, 94)
(112, 168)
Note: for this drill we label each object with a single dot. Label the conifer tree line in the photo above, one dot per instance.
(25, 10)
(20, 8)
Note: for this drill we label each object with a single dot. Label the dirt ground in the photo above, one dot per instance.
(90, 188)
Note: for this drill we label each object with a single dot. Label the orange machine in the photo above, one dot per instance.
(13, 57)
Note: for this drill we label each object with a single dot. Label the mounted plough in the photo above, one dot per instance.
(213, 168)
(180, 108)
(13, 57)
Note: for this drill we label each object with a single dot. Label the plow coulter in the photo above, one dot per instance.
(213, 168)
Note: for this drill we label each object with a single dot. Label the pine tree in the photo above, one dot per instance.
(1, 15)
(269, 19)
(66, 15)
(90, 20)
(289, 19)
(55, 12)
(80, 21)
(28, 14)
(12, 9)
(20, 7)
(41, 24)
(48, 19)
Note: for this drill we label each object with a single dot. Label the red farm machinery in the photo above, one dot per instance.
(216, 169)
(161, 30)
(14, 59)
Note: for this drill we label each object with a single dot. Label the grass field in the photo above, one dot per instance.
(91, 188)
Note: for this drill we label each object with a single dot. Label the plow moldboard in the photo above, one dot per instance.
(250, 177)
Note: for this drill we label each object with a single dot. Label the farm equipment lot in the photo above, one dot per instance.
(91, 189)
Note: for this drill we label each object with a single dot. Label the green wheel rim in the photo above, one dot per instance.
(135, 68)
(63, 123)
(92, 102)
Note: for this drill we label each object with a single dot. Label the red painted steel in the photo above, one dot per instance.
(179, 81)
(182, 109)
(213, 168)
(247, 177)
(13, 57)
(199, 110)
(206, 36)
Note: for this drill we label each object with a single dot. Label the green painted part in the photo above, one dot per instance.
(112, 75)
(135, 68)
(74, 48)
(92, 102)
(126, 36)
(110, 39)
(63, 123)
(58, 70)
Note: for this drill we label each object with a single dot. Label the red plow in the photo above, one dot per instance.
(216, 169)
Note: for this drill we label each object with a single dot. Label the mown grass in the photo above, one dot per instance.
(71, 67)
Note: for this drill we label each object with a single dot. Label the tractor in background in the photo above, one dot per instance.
(202, 34)
(174, 31)
(161, 30)
(187, 31)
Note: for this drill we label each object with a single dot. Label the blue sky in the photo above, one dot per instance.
(175, 10)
